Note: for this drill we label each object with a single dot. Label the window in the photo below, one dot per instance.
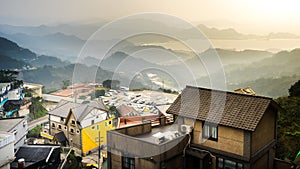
(62, 119)
(77, 131)
(115, 122)
(73, 122)
(210, 131)
(128, 163)
(93, 127)
(93, 122)
(59, 127)
(110, 122)
(53, 125)
(228, 164)
(65, 127)
(72, 130)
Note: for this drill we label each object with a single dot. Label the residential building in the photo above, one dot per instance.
(4, 88)
(81, 124)
(138, 146)
(238, 130)
(37, 89)
(36, 157)
(215, 129)
(17, 126)
(6, 149)
(11, 98)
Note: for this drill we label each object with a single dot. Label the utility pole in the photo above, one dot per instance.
(99, 166)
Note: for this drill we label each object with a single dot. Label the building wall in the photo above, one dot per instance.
(262, 163)
(6, 150)
(265, 131)
(20, 131)
(230, 140)
(73, 137)
(90, 134)
(95, 115)
(58, 121)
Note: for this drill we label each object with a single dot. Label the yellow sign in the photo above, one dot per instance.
(48, 136)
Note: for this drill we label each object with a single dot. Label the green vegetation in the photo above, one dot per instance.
(10, 76)
(35, 132)
(97, 93)
(111, 84)
(65, 84)
(37, 109)
(295, 89)
(289, 126)
(74, 162)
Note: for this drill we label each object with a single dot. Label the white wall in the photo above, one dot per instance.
(96, 115)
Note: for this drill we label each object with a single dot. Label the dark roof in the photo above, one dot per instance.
(32, 154)
(61, 137)
(221, 107)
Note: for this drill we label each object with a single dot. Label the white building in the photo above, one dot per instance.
(17, 126)
(6, 149)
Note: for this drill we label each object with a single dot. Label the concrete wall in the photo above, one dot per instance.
(20, 131)
(230, 140)
(265, 131)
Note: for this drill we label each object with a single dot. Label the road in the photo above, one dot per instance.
(37, 122)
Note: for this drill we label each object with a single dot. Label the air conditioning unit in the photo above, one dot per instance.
(160, 139)
(186, 128)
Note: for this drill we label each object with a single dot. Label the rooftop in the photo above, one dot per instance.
(7, 124)
(221, 107)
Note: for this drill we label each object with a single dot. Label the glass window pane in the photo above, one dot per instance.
(220, 163)
(214, 132)
(229, 164)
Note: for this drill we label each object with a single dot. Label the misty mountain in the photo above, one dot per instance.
(57, 44)
(15, 57)
(10, 63)
(44, 60)
(12, 50)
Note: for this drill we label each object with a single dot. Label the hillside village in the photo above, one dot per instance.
(120, 128)
(149, 84)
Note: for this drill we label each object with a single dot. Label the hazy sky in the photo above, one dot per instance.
(251, 16)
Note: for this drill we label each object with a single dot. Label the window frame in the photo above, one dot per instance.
(128, 162)
(210, 127)
(223, 163)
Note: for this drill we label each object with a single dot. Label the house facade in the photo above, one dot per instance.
(81, 124)
(237, 130)
(18, 127)
(225, 130)
(6, 149)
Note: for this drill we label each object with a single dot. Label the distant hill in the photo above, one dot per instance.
(10, 63)
(12, 50)
(15, 57)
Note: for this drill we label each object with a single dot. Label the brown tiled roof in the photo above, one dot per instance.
(125, 110)
(224, 108)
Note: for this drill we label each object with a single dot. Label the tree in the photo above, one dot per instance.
(111, 84)
(65, 84)
(289, 124)
(295, 89)
(10, 76)
(112, 111)
(37, 108)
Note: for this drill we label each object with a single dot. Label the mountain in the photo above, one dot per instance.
(15, 57)
(10, 63)
(66, 47)
(44, 60)
(12, 50)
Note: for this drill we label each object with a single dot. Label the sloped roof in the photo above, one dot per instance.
(221, 107)
(125, 110)
(79, 110)
(63, 108)
(61, 137)
(7, 124)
